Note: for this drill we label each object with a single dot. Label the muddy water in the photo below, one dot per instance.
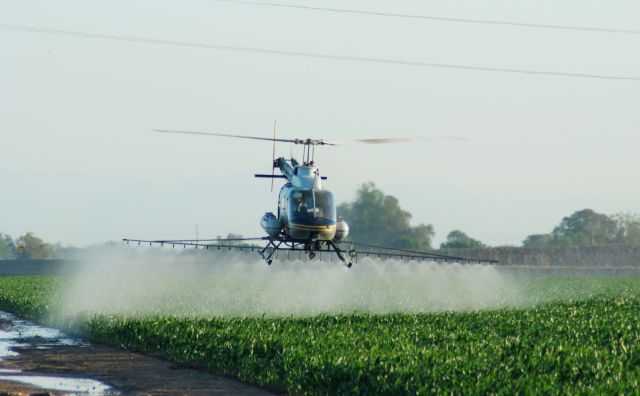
(16, 333)
(34, 359)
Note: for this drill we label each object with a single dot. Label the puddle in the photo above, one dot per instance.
(10, 371)
(62, 384)
(5, 350)
(16, 332)
(20, 331)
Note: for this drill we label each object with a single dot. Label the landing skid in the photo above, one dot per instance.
(270, 250)
(339, 252)
(309, 249)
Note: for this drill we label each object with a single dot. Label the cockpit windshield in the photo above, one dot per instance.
(312, 204)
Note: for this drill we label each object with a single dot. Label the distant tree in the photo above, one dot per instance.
(235, 243)
(583, 228)
(7, 247)
(65, 252)
(31, 247)
(377, 218)
(457, 239)
(537, 240)
(95, 249)
(628, 228)
(233, 236)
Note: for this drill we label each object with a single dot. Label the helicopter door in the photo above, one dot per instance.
(301, 206)
(282, 204)
(325, 209)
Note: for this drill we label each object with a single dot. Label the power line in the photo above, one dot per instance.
(303, 54)
(437, 18)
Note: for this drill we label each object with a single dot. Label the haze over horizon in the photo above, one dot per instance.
(80, 165)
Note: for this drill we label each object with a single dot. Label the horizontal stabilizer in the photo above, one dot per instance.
(280, 176)
(271, 176)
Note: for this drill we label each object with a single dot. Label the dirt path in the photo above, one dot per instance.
(129, 373)
(120, 371)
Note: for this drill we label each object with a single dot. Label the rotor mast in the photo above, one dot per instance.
(305, 175)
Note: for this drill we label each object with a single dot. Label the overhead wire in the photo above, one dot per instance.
(314, 55)
(436, 18)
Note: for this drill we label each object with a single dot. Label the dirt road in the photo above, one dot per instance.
(37, 359)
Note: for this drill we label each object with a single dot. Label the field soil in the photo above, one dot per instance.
(126, 372)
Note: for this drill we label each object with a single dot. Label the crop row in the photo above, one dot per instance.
(580, 346)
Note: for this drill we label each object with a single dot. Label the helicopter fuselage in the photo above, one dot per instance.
(306, 211)
(306, 214)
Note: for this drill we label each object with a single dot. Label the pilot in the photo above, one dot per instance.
(299, 203)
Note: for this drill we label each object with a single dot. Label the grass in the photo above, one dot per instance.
(587, 340)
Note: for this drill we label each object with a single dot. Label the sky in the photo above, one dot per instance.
(79, 164)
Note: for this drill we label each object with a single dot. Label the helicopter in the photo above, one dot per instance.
(306, 221)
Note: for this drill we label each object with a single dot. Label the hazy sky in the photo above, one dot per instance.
(79, 165)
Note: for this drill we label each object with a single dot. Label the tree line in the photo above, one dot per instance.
(27, 246)
(377, 218)
(589, 228)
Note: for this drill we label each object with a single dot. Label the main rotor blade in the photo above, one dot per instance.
(392, 140)
(320, 142)
(295, 141)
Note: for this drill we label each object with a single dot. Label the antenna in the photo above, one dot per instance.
(273, 156)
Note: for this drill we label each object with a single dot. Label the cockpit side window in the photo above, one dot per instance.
(325, 206)
(301, 202)
(282, 209)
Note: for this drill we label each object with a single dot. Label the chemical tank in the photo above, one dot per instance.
(270, 224)
(342, 229)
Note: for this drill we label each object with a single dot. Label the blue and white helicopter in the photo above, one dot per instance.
(305, 221)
